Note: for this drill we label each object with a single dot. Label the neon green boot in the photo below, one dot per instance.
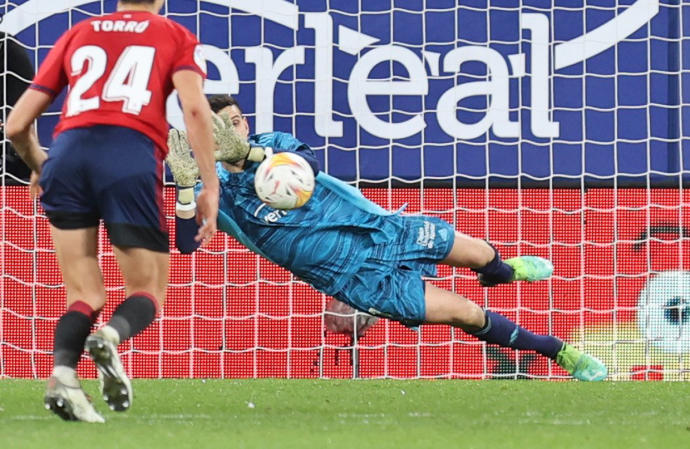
(580, 365)
(525, 268)
(530, 268)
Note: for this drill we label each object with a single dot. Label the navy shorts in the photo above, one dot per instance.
(111, 173)
(389, 284)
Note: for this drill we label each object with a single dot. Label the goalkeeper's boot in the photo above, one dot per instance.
(115, 385)
(525, 268)
(70, 402)
(580, 365)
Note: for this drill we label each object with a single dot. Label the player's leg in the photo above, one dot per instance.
(145, 273)
(132, 209)
(68, 202)
(444, 307)
(482, 258)
(77, 253)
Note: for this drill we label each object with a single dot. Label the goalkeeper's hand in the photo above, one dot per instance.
(182, 165)
(232, 147)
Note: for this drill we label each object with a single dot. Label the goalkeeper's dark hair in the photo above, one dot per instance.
(137, 2)
(219, 102)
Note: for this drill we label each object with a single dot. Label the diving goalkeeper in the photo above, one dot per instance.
(350, 248)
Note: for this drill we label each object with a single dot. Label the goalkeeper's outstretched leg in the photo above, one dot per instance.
(444, 307)
(491, 270)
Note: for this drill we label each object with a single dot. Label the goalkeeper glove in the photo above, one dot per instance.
(231, 146)
(183, 167)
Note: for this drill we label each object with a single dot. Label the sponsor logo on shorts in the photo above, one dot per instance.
(426, 235)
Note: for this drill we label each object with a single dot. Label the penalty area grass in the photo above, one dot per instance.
(355, 414)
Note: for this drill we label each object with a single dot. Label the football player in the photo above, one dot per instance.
(350, 248)
(105, 163)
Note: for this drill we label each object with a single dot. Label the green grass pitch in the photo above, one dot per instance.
(271, 413)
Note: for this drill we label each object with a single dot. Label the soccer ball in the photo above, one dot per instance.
(284, 181)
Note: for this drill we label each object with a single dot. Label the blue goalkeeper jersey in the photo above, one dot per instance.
(323, 242)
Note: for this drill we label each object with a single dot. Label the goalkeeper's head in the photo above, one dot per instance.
(225, 104)
(146, 5)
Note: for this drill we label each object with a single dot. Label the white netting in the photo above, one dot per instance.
(549, 128)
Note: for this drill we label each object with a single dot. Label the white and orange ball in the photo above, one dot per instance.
(284, 181)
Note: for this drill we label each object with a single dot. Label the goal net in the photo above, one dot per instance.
(557, 129)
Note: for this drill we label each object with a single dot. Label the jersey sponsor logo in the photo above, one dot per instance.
(422, 66)
(270, 215)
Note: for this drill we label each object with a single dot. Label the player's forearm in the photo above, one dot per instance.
(26, 144)
(20, 130)
(186, 226)
(185, 230)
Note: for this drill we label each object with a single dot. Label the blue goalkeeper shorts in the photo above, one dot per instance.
(389, 284)
(111, 173)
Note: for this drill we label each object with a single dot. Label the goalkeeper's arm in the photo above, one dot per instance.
(185, 230)
(199, 123)
(185, 171)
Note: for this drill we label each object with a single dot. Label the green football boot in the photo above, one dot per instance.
(525, 268)
(580, 365)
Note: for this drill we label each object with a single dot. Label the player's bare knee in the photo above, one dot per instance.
(485, 253)
(469, 252)
(467, 316)
(480, 253)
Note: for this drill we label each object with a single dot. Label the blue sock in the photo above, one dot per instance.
(502, 331)
(496, 271)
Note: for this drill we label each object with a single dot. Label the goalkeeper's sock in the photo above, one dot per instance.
(504, 332)
(71, 332)
(496, 271)
(134, 315)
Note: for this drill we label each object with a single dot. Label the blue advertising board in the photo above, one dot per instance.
(440, 89)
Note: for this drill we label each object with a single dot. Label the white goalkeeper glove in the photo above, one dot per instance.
(231, 146)
(183, 167)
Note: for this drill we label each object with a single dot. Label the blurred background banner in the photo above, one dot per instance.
(411, 89)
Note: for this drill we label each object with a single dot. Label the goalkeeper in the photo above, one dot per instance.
(350, 248)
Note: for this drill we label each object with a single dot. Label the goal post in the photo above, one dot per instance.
(559, 129)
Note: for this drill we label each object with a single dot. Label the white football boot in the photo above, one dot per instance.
(70, 402)
(115, 385)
